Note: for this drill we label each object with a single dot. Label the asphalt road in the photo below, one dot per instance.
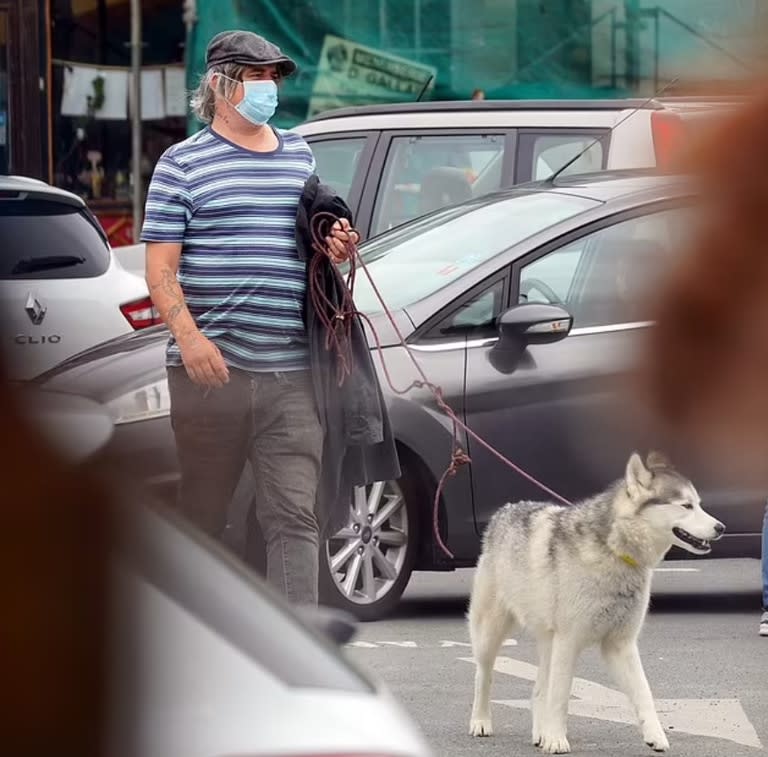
(706, 664)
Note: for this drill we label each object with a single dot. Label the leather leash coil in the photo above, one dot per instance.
(337, 321)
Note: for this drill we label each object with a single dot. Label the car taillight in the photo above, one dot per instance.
(141, 313)
(668, 133)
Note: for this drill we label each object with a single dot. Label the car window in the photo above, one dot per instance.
(49, 240)
(556, 271)
(427, 255)
(337, 162)
(607, 277)
(423, 174)
(475, 316)
(541, 155)
(481, 311)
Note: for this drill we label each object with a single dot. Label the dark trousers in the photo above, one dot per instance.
(271, 421)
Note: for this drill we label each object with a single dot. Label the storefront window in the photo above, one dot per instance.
(91, 113)
(4, 130)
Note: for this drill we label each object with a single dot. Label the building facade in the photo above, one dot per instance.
(90, 113)
(356, 52)
(64, 66)
(64, 96)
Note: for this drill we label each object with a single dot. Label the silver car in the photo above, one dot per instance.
(398, 161)
(61, 288)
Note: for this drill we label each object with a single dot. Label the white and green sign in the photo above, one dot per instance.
(353, 74)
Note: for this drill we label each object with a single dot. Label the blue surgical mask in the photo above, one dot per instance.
(259, 101)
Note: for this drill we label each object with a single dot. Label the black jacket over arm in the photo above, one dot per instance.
(359, 446)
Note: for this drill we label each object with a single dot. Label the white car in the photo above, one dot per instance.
(397, 161)
(394, 162)
(61, 288)
(204, 658)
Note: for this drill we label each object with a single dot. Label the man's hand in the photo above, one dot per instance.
(342, 234)
(203, 361)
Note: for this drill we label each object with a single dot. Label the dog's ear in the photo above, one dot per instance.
(638, 477)
(657, 461)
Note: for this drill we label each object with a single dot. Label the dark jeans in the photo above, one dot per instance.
(270, 420)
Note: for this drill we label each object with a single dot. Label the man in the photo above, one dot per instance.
(221, 213)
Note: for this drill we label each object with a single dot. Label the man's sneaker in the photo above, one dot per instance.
(764, 624)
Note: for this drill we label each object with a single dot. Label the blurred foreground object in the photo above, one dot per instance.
(128, 633)
(53, 558)
(707, 369)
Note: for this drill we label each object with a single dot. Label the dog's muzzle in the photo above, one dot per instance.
(700, 545)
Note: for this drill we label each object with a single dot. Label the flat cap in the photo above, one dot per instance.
(247, 49)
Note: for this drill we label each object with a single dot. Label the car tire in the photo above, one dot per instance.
(366, 566)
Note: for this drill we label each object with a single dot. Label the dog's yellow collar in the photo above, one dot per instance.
(628, 559)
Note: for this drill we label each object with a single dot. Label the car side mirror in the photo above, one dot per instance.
(533, 323)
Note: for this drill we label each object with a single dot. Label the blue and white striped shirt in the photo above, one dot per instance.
(234, 212)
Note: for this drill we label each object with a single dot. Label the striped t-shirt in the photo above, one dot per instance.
(234, 212)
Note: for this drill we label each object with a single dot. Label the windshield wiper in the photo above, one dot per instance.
(45, 263)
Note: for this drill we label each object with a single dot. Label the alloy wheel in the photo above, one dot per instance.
(367, 556)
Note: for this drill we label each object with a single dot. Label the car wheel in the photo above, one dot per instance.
(365, 567)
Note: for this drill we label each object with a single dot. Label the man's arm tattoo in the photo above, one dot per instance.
(174, 312)
(170, 287)
(168, 283)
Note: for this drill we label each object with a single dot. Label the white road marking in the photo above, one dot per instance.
(677, 570)
(406, 644)
(443, 644)
(448, 644)
(582, 688)
(713, 718)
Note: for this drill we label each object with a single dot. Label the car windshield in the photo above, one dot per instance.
(420, 258)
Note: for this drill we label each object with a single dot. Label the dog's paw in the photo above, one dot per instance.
(554, 744)
(480, 727)
(536, 738)
(656, 739)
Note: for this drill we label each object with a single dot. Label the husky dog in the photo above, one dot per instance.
(580, 575)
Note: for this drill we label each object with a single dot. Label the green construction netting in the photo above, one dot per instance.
(355, 52)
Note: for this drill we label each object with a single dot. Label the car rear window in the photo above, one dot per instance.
(45, 239)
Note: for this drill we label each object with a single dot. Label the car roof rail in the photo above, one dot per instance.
(479, 106)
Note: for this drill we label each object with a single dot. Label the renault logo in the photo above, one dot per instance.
(35, 309)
